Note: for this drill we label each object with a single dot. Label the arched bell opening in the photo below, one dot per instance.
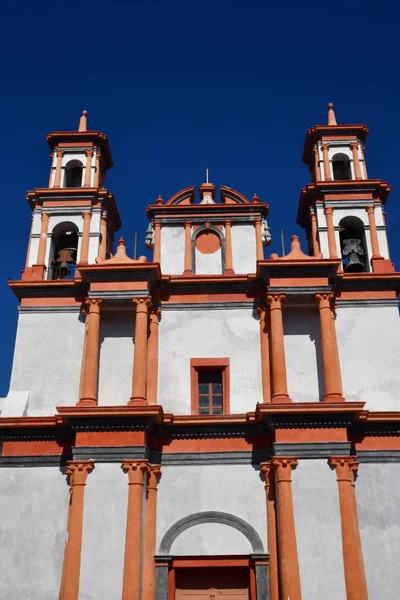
(341, 167)
(208, 250)
(353, 245)
(73, 174)
(63, 251)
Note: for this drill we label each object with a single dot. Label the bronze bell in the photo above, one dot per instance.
(353, 250)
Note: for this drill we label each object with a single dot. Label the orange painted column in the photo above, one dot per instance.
(77, 472)
(328, 211)
(364, 163)
(88, 170)
(57, 177)
(356, 160)
(269, 479)
(188, 266)
(51, 168)
(97, 171)
(314, 233)
(139, 376)
(157, 242)
(149, 573)
(152, 356)
(288, 559)
(278, 359)
(317, 168)
(354, 573)
(259, 244)
(327, 164)
(87, 216)
(353, 469)
(91, 350)
(228, 249)
(41, 256)
(264, 349)
(103, 232)
(373, 233)
(28, 251)
(131, 586)
(330, 352)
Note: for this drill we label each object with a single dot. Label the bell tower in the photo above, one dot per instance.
(75, 217)
(342, 209)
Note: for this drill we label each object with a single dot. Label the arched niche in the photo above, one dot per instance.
(63, 251)
(341, 167)
(73, 174)
(208, 250)
(353, 245)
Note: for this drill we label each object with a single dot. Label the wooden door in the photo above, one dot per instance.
(212, 584)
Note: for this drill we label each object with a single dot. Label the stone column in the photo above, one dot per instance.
(353, 569)
(373, 233)
(77, 472)
(316, 165)
(57, 177)
(157, 242)
(87, 216)
(356, 160)
(269, 479)
(139, 376)
(259, 244)
(228, 249)
(152, 356)
(149, 574)
(328, 211)
(314, 233)
(90, 357)
(131, 586)
(97, 171)
(188, 267)
(288, 559)
(88, 170)
(278, 360)
(264, 349)
(103, 232)
(330, 352)
(327, 165)
(41, 255)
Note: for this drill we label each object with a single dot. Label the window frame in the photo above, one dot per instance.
(209, 364)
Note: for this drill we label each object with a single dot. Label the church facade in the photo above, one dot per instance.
(210, 423)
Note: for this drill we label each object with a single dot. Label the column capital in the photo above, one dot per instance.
(257, 221)
(325, 146)
(354, 145)
(266, 469)
(136, 470)
(45, 216)
(78, 470)
(93, 305)
(89, 153)
(86, 215)
(104, 215)
(315, 151)
(328, 210)
(154, 472)
(312, 214)
(60, 153)
(343, 466)
(142, 304)
(155, 314)
(283, 466)
(324, 299)
(157, 224)
(275, 300)
(262, 311)
(228, 223)
(370, 210)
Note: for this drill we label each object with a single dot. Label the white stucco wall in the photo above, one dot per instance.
(378, 499)
(369, 350)
(243, 248)
(104, 528)
(116, 357)
(231, 333)
(172, 250)
(185, 490)
(208, 264)
(302, 336)
(47, 360)
(318, 531)
(33, 518)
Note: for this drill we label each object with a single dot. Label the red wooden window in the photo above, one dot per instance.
(210, 386)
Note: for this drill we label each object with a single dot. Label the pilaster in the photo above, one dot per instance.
(330, 351)
(139, 376)
(278, 359)
(269, 478)
(149, 574)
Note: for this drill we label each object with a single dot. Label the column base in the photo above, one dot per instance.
(188, 272)
(87, 402)
(381, 265)
(279, 398)
(333, 398)
(229, 272)
(34, 273)
(137, 401)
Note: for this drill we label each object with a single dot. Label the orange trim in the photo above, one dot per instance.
(314, 234)
(330, 352)
(152, 356)
(220, 364)
(110, 438)
(356, 161)
(331, 232)
(327, 165)
(97, 172)
(264, 350)
(269, 479)
(188, 267)
(373, 233)
(57, 177)
(87, 216)
(139, 375)
(190, 562)
(149, 570)
(88, 169)
(90, 357)
(228, 248)
(317, 169)
(208, 242)
(41, 256)
(259, 244)
(157, 243)
(278, 359)
(103, 239)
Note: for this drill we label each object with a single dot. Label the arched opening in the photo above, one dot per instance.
(63, 252)
(73, 173)
(341, 167)
(353, 245)
(208, 250)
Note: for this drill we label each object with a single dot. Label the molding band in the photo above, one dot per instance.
(371, 302)
(49, 460)
(313, 449)
(49, 309)
(207, 305)
(110, 453)
(378, 456)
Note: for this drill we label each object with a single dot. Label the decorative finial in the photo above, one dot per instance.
(121, 241)
(255, 198)
(331, 115)
(83, 121)
(159, 200)
(207, 176)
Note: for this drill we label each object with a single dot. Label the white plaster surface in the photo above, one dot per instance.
(234, 489)
(243, 248)
(318, 531)
(302, 337)
(104, 527)
(229, 333)
(369, 350)
(208, 264)
(378, 499)
(33, 517)
(172, 250)
(116, 357)
(47, 360)
(15, 404)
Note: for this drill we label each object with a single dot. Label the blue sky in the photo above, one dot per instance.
(179, 86)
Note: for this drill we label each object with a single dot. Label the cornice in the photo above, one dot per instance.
(48, 289)
(181, 212)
